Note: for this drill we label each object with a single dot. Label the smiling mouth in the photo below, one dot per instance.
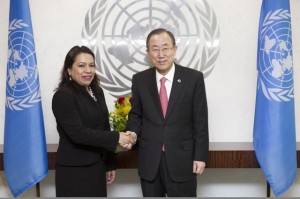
(162, 62)
(87, 77)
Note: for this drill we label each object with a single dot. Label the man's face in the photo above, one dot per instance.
(161, 52)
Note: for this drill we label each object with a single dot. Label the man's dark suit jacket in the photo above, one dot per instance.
(184, 131)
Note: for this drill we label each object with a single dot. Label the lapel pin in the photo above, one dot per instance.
(179, 80)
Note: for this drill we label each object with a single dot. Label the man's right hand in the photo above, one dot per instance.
(127, 140)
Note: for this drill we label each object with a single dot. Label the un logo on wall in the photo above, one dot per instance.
(116, 31)
(276, 63)
(22, 86)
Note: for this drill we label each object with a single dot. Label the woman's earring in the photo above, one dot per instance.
(70, 78)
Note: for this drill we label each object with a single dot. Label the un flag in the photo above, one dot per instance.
(25, 154)
(274, 135)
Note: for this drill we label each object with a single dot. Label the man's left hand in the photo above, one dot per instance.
(198, 167)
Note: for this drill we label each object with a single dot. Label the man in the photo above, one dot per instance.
(171, 121)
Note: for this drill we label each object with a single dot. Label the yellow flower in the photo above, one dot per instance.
(119, 116)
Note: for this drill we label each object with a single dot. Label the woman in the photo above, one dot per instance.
(85, 156)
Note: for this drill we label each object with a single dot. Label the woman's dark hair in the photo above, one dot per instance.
(68, 63)
(157, 32)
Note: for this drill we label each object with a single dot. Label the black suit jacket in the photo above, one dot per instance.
(83, 128)
(184, 131)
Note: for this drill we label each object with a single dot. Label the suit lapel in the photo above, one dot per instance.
(176, 88)
(154, 91)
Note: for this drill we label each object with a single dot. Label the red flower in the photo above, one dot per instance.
(121, 100)
(130, 99)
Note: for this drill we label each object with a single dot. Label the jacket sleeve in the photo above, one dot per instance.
(135, 115)
(110, 160)
(109, 156)
(200, 115)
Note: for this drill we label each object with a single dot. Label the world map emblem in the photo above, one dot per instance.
(116, 31)
(22, 85)
(276, 57)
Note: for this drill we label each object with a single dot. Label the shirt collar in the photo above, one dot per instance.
(169, 75)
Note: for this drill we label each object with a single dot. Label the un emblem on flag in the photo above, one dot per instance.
(22, 84)
(116, 31)
(276, 57)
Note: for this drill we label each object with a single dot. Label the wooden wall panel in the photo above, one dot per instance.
(217, 159)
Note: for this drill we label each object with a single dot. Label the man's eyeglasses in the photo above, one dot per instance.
(164, 50)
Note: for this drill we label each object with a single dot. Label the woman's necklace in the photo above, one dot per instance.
(90, 91)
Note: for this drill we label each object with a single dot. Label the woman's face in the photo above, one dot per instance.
(83, 69)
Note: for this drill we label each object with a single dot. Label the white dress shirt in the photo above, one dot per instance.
(169, 76)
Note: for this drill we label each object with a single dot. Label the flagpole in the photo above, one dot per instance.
(37, 190)
(268, 190)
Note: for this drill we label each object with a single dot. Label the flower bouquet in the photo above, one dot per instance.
(119, 116)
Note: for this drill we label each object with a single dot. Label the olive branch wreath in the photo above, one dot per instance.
(90, 31)
(89, 34)
(11, 102)
(16, 24)
(211, 49)
(277, 94)
(273, 17)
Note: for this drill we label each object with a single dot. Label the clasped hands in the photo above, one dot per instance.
(127, 140)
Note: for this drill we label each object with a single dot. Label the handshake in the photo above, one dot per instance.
(127, 140)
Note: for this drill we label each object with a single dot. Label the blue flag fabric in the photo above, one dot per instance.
(25, 154)
(274, 135)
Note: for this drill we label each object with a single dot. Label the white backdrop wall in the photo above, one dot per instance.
(57, 26)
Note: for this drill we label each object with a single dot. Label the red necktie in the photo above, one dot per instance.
(163, 100)
(163, 96)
